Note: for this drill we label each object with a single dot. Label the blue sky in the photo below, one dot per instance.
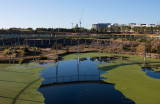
(61, 13)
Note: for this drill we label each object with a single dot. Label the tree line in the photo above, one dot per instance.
(113, 29)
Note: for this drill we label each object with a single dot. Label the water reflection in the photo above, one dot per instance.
(79, 82)
(149, 71)
(103, 59)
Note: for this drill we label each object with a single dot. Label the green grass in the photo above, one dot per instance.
(19, 84)
(135, 59)
(132, 82)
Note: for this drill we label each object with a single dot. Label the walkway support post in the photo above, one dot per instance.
(78, 59)
(49, 41)
(145, 50)
(2, 41)
(100, 50)
(42, 42)
(78, 50)
(100, 58)
(56, 61)
(18, 41)
(64, 41)
(78, 68)
(12, 57)
(85, 41)
(34, 54)
(56, 51)
(122, 49)
(57, 72)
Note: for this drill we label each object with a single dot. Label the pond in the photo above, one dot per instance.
(149, 71)
(79, 82)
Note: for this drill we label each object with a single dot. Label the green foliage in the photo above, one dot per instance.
(100, 30)
(92, 30)
(126, 28)
(116, 29)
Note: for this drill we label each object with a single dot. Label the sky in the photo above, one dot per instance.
(61, 13)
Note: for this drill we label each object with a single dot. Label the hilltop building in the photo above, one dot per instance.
(76, 26)
(132, 24)
(151, 25)
(116, 24)
(142, 25)
(100, 25)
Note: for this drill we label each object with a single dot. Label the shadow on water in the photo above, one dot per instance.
(79, 82)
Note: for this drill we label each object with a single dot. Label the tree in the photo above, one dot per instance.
(109, 29)
(116, 29)
(150, 30)
(92, 30)
(100, 30)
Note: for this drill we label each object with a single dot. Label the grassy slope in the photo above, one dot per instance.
(128, 78)
(19, 84)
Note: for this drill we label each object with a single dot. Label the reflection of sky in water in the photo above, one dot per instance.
(67, 68)
(84, 93)
(70, 70)
(151, 73)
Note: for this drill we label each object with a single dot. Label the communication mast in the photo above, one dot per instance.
(80, 20)
(72, 25)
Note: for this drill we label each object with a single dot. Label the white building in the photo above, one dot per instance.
(151, 25)
(132, 25)
(76, 26)
(100, 25)
(142, 25)
(116, 24)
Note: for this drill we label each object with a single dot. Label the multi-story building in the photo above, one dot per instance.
(151, 25)
(76, 26)
(142, 25)
(100, 25)
(158, 23)
(116, 24)
(132, 24)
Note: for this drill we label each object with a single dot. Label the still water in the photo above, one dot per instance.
(150, 72)
(79, 82)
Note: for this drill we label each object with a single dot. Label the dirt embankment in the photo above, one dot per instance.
(21, 54)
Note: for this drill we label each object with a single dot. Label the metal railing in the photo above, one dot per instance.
(52, 36)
